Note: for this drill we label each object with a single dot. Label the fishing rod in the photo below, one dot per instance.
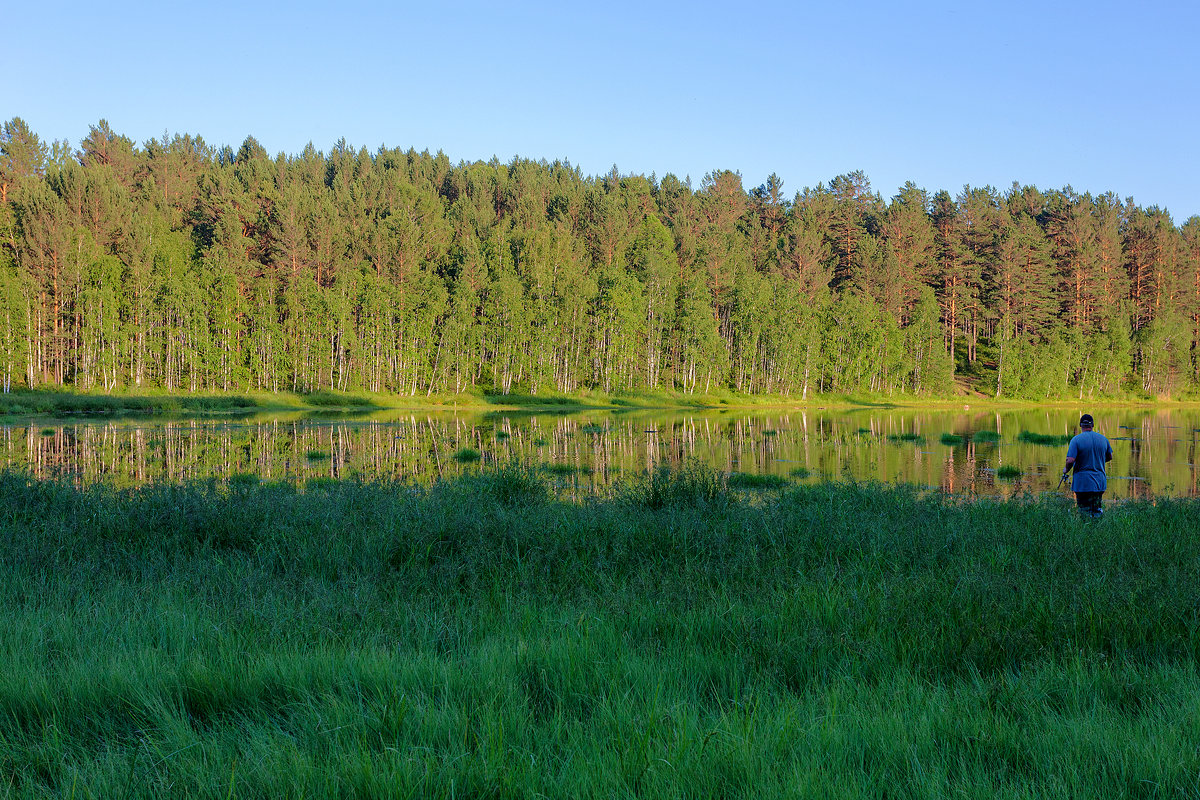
(1060, 481)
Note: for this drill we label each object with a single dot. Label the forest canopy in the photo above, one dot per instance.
(179, 265)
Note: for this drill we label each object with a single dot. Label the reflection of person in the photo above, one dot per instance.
(1088, 452)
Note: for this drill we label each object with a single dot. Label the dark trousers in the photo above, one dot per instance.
(1090, 503)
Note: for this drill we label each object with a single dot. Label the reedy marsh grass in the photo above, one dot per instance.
(481, 637)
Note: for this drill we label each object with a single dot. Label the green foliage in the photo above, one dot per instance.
(906, 437)
(985, 437)
(951, 439)
(177, 266)
(1008, 471)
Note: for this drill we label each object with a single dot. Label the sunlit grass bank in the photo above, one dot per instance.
(161, 403)
(680, 638)
(67, 403)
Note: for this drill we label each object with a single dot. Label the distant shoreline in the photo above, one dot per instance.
(62, 404)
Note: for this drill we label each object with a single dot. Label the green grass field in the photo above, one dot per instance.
(679, 638)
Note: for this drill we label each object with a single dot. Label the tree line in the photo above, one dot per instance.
(180, 265)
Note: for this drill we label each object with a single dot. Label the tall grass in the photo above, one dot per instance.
(679, 638)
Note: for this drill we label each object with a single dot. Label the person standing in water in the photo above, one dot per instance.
(1087, 454)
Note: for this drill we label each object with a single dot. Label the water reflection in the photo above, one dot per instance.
(1155, 450)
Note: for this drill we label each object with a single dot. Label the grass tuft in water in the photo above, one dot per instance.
(593, 428)
(985, 436)
(801, 472)
(951, 439)
(1007, 471)
(466, 455)
(1045, 439)
(906, 437)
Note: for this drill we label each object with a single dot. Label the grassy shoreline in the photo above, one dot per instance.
(67, 404)
(678, 638)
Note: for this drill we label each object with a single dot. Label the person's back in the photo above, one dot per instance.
(1088, 452)
(1091, 451)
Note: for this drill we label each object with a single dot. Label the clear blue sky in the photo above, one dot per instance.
(1099, 95)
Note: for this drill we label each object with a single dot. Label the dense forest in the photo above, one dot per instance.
(179, 265)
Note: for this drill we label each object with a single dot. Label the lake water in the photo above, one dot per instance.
(1155, 449)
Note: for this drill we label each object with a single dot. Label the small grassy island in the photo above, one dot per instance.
(684, 635)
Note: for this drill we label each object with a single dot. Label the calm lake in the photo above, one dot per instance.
(1155, 449)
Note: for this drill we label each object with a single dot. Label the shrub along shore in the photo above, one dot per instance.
(680, 637)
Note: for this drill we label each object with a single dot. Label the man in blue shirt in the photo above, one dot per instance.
(1088, 452)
